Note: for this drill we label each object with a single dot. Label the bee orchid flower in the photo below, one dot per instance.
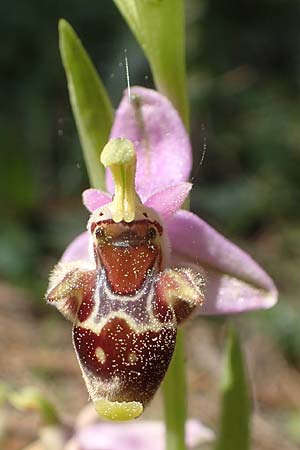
(139, 435)
(144, 265)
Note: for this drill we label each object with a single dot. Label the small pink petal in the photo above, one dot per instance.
(138, 435)
(78, 249)
(94, 199)
(168, 201)
(163, 149)
(234, 281)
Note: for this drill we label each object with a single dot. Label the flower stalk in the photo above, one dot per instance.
(174, 395)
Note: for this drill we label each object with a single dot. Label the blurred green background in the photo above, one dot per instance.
(243, 61)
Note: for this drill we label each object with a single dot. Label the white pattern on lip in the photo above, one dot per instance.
(100, 354)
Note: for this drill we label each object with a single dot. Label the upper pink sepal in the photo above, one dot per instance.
(169, 200)
(164, 155)
(235, 282)
(94, 199)
(78, 249)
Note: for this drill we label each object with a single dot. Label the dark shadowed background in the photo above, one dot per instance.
(243, 61)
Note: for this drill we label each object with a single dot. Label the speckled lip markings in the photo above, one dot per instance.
(125, 315)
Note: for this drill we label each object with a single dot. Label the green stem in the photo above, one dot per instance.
(159, 27)
(174, 394)
(174, 386)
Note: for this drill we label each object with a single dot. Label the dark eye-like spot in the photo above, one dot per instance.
(102, 236)
(100, 233)
(151, 234)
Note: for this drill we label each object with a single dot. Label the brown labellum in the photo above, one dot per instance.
(125, 312)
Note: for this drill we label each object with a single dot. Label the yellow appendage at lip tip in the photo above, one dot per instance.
(118, 411)
(119, 156)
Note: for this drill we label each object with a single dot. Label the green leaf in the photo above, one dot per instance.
(90, 103)
(234, 432)
(159, 27)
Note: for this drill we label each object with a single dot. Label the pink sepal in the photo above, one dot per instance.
(78, 249)
(234, 281)
(164, 155)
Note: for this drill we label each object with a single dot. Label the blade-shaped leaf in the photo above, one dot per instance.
(158, 25)
(234, 432)
(91, 106)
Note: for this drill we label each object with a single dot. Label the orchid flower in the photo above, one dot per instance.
(144, 265)
(141, 435)
(88, 433)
